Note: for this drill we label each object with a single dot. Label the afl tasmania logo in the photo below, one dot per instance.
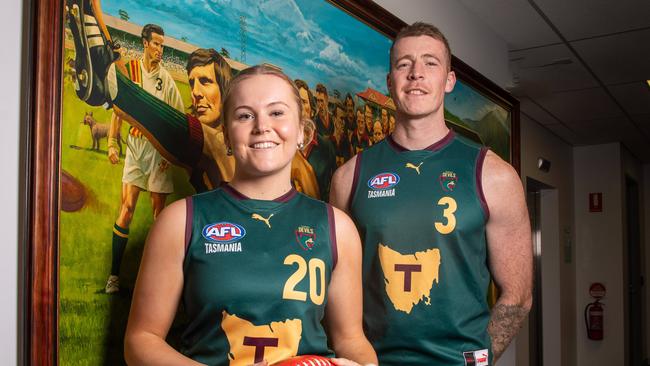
(383, 181)
(223, 232)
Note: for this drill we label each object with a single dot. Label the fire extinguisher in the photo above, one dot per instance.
(594, 320)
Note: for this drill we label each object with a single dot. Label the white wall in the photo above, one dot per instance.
(599, 254)
(10, 30)
(470, 38)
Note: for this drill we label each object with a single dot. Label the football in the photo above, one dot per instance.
(305, 360)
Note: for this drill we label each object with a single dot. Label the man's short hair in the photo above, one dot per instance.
(151, 28)
(339, 105)
(301, 84)
(422, 29)
(320, 88)
(206, 56)
(349, 97)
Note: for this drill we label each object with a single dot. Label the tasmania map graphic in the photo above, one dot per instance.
(409, 277)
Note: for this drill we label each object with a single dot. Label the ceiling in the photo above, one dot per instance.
(579, 66)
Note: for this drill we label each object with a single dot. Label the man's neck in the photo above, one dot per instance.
(325, 117)
(149, 65)
(418, 134)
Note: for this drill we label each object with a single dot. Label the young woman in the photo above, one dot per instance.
(256, 264)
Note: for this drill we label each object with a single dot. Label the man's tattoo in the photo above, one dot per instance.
(505, 322)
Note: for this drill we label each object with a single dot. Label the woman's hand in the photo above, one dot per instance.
(346, 362)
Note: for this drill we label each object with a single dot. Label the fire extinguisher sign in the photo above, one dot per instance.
(596, 202)
(597, 290)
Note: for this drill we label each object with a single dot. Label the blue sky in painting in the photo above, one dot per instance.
(311, 40)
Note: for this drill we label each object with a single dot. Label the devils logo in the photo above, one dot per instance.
(448, 181)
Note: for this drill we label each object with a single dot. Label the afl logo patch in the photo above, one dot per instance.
(223, 232)
(383, 181)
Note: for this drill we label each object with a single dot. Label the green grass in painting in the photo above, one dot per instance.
(91, 323)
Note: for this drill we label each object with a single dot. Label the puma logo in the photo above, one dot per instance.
(259, 217)
(416, 168)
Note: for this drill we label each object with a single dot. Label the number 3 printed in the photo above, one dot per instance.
(448, 213)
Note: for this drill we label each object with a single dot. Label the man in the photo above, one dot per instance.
(340, 137)
(209, 74)
(360, 140)
(306, 98)
(377, 132)
(368, 114)
(384, 120)
(319, 153)
(349, 115)
(144, 168)
(438, 215)
(323, 119)
(194, 141)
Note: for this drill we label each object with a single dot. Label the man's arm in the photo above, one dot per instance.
(178, 137)
(113, 135)
(341, 187)
(509, 250)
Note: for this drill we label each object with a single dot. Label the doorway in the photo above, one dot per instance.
(544, 335)
(635, 288)
(535, 322)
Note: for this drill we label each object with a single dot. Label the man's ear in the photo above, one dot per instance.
(451, 81)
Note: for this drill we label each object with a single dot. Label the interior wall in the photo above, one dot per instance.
(10, 29)
(599, 253)
(470, 38)
(538, 142)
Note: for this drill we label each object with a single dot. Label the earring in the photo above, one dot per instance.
(229, 151)
(301, 145)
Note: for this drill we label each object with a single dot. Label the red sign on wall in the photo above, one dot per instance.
(596, 202)
(597, 290)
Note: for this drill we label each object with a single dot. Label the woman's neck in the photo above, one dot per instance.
(263, 187)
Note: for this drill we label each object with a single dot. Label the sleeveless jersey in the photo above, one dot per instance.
(256, 275)
(421, 215)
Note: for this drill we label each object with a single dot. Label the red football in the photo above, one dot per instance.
(305, 360)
